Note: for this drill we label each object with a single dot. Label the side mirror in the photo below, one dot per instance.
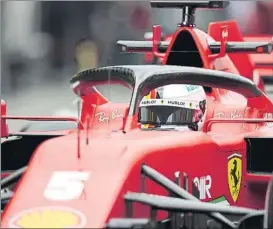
(4, 126)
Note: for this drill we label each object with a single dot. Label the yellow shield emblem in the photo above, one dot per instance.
(234, 175)
(49, 217)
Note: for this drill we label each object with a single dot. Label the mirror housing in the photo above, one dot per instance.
(4, 126)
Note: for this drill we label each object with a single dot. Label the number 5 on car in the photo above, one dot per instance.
(66, 185)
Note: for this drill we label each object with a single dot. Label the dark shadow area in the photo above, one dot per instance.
(16, 153)
(185, 52)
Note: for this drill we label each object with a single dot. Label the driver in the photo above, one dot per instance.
(178, 106)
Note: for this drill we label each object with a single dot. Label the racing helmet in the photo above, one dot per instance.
(176, 106)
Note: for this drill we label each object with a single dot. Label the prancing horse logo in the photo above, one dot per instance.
(234, 175)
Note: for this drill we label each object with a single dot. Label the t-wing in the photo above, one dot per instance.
(231, 47)
(144, 78)
(188, 15)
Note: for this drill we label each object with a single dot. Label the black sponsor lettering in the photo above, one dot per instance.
(148, 102)
(178, 103)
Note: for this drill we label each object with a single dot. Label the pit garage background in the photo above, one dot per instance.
(38, 45)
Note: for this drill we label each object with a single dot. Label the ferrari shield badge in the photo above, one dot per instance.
(49, 217)
(234, 175)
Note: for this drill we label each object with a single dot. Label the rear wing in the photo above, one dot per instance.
(127, 46)
(157, 47)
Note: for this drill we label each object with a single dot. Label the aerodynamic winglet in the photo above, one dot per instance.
(140, 46)
(239, 47)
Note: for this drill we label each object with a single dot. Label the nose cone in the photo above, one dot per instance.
(61, 191)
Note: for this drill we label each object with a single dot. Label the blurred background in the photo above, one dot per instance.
(39, 37)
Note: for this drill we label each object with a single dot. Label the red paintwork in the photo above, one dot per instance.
(5, 174)
(234, 34)
(250, 60)
(265, 59)
(263, 62)
(148, 57)
(208, 124)
(107, 164)
(114, 158)
(4, 127)
(258, 73)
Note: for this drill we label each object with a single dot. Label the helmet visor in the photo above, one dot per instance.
(168, 112)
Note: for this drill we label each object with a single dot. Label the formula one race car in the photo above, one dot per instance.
(213, 142)
(249, 55)
(66, 175)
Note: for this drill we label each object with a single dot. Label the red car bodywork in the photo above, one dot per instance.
(261, 60)
(263, 63)
(253, 64)
(113, 158)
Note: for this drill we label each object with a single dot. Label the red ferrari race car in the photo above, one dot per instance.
(66, 175)
(196, 139)
(242, 50)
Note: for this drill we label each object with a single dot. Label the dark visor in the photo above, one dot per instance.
(167, 112)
